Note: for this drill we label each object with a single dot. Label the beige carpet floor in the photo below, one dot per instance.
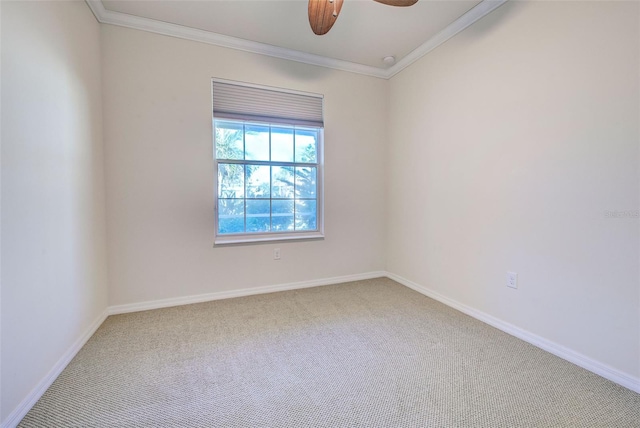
(362, 354)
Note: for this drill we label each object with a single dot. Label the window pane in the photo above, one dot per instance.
(306, 214)
(256, 142)
(282, 182)
(228, 139)
(230, 215)
(256, 196)
(258, 219)
(282, 144)
(281, 216)
(258, 181)
(230, 180)
(305, 182)
(306, 145)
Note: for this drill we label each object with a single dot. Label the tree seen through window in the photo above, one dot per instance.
(267, 177)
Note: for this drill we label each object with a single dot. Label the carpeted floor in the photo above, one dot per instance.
(363, 354)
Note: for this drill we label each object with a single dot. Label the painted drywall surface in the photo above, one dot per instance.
(53, 221)
(158, 148)
(509, 145)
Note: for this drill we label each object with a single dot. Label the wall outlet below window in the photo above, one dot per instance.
(512, 280)
(276, 254)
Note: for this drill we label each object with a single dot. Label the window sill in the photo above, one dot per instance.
(246, 239)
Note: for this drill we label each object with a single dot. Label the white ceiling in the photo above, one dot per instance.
(365, 32)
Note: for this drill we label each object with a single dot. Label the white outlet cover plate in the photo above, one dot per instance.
(512, 280)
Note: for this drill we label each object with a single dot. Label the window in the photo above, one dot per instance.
(268, 164)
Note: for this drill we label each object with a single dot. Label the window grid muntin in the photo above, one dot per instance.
(318, 177)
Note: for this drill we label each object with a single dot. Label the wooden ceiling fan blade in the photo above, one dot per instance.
(401, 3)
(323, 14)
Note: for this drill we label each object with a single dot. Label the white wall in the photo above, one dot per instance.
(53, 221)
(159, 169)
(508, 144)
(501, 150)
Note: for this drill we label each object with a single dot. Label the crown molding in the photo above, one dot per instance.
(145, 24)
(105, 16)
(472, 15)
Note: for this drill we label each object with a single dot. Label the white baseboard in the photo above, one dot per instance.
(23, 408)
(601, 369)
(25, 405)
(565, 353)
(187, 300)
(583, 361)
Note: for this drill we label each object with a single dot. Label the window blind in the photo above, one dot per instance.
(239, 101)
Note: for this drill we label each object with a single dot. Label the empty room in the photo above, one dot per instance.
(319, 213)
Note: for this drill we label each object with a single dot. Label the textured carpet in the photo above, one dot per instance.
(363, 354)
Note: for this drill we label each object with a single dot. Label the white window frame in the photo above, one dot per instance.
(258, 237)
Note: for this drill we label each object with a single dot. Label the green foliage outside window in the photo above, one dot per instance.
(267, 178)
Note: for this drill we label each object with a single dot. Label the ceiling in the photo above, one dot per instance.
(365, 32)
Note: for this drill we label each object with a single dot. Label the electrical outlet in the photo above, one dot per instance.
(512, 280)
(276, 254)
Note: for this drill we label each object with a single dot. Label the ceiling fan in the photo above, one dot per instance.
(323, 13)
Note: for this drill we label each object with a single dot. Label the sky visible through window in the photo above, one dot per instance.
(269, 180)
